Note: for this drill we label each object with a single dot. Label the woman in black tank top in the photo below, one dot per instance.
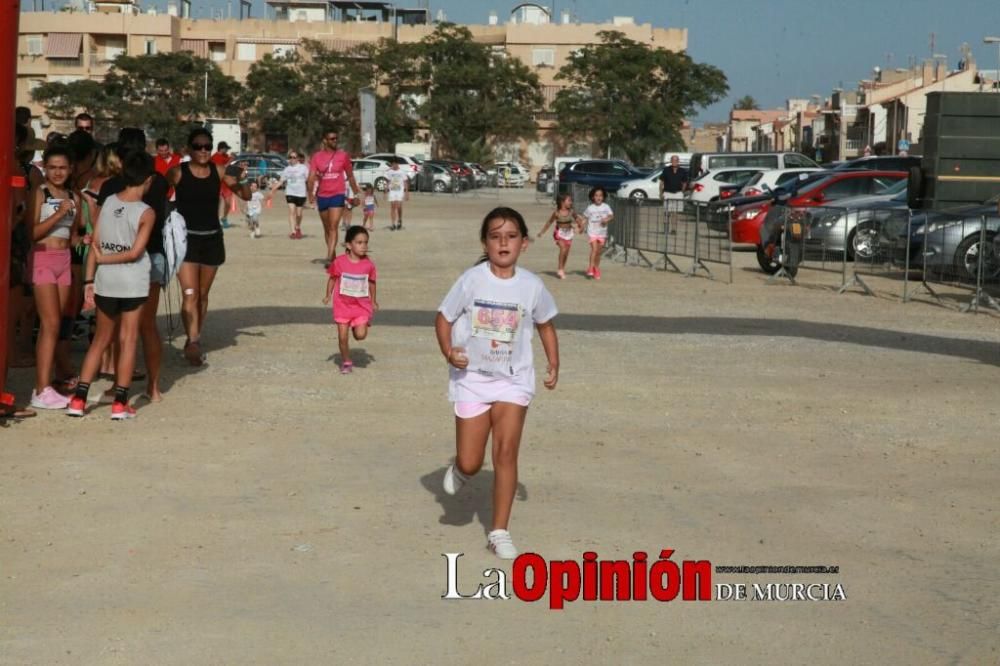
(197, 185)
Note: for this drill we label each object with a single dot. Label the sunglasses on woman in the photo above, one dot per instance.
(201, 146)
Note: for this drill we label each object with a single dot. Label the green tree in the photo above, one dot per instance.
(474, 97)
(397, 84)
(746, 103)
(275, 100)
(631, 97)
(165, 93)
(65, 100)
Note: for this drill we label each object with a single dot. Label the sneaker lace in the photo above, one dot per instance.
(502, 538)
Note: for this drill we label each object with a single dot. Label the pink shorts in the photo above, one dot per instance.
(598, 239)
(470, 410)
(51, 267)
(353, 322)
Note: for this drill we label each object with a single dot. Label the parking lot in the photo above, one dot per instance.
(273, 511)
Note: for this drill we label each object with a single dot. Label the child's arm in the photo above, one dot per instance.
(550, 343)
(607, 218)
(454, 355)
(581, 223)
(329, 290)
(552, 218)
(371, 294)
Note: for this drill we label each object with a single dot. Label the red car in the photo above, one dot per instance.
(824, 190)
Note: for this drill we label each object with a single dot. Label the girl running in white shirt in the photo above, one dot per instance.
(598, 215)
(484, 329)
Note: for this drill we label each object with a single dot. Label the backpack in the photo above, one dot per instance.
(174, 242)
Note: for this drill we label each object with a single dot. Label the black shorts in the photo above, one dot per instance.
(206, 250)
(295, 201)
(76, 258)
(113, 306)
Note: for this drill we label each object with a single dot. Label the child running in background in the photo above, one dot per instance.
(564, 218)
(484, 329)
(255, 206)
(117, 283)
(598, 215)
(352, 285)
(370, 205)
(398, 191)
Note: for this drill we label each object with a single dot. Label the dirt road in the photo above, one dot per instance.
(272, 511)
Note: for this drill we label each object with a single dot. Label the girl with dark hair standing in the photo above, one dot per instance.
(484, 329)
(196, 186)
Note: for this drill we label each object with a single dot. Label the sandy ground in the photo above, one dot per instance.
(272, 511)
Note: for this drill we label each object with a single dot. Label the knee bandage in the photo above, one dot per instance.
(189, 292)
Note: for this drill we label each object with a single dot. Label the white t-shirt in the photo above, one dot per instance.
(494, 322)
(256, 203)
(594, 215)
(397, 184)
(295, 176)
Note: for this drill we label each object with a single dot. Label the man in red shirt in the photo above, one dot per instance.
(166, 159)
(222, 158)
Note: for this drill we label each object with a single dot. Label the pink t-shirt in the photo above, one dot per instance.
(351, 287)
(330, 169)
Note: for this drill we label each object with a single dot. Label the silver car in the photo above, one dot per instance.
(857, 223)
(950, 242)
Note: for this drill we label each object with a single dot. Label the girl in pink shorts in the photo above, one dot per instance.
(352, 286)
(56, 219)
(599, 215)
(484, 328)
(565, 220)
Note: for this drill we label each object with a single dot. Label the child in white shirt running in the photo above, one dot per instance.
(484, 329)
(598, 215)
(254, 208)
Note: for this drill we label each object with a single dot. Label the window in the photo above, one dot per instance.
(114, 49)
(543, 57)
(798, 161)
(35, 45)
(34, 83)
(217, 51)
(847, 187)
(247, 52)
(282, 50)
(150, 47)
(883, 183)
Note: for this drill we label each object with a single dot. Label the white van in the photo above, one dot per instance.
(702, 162)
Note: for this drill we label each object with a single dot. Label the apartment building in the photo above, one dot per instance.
(61, 46)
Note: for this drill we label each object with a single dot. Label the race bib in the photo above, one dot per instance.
(495, 321)
(354, 285)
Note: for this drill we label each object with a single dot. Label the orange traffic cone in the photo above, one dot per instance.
(232, 204)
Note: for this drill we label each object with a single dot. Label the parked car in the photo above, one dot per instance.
(546, 180)
(434, 177)
(701, 162)
(479, 173)
(409, 164)
(459, 170)
(706, 187)
(949, 242)
(509, 174)
(748, 219)
(882, 163)
(372, 172)
(641, 189)
(609, 174)
(858, 221)
(273, 164)
(770, 180)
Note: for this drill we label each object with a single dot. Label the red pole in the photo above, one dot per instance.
(10, 11)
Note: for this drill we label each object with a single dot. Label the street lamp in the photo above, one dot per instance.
(995, 40)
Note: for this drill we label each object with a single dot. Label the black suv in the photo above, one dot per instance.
(609, 174)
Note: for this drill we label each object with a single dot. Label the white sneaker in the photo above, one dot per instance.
(48, 398)
(453, 480)
(500, 543)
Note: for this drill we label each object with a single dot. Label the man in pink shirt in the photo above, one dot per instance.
(331, 169)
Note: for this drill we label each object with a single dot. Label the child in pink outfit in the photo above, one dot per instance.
(352, 286)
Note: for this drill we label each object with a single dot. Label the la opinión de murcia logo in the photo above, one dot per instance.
(639, 579)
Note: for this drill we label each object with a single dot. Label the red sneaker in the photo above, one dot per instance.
(76, 407)
(121, 411)
(590, 272)
(597, 273)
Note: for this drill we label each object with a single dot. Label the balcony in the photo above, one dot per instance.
(66, 63)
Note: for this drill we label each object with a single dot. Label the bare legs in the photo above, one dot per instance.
(294, 219)
(595, 254)
(50, 301)
(343, 330)
(563, 256)
(196, 281)
(152, 346)
(124, 331)
(506, 421)
(331, 229)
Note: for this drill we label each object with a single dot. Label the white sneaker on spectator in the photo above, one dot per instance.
(500, 543)
(453, 480)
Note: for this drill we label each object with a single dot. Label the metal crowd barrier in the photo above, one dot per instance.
(672, 230)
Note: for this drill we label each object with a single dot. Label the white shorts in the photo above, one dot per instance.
(396, 197)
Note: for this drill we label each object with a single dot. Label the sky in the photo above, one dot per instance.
(770, 49)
